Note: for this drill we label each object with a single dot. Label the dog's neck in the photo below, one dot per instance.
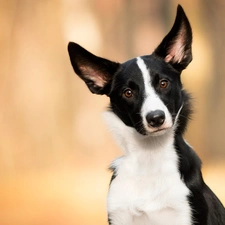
(131, 142)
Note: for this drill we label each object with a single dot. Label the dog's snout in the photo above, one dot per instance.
(155, 118)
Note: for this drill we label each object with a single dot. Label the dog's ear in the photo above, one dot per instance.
(175, 48)
(96, 72)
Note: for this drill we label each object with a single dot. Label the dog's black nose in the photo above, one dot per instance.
(155, 118)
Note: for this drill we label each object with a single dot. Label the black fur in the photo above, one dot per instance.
(181, 27)
(86, 64)
(206, 207)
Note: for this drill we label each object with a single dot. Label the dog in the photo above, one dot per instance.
(158, 180)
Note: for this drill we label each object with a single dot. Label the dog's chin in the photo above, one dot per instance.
(147, 131)
(158, 132)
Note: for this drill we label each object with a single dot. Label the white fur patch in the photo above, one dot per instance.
(148, 189)
(152, 101)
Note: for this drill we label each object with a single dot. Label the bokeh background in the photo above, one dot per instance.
(54, 146)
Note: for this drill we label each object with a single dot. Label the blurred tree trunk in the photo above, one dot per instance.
(214, 23)
(35, 102)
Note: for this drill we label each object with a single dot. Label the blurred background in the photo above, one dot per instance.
(55, 148)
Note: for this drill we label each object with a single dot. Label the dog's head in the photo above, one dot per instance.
(145, 92)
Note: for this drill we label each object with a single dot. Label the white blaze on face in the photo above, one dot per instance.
(152, 101)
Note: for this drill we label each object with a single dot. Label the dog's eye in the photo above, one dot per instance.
(163, 83)
(128, 93)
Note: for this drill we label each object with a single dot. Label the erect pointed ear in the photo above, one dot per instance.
(175, 48)
(96, 72)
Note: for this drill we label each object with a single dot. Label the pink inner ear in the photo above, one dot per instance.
(176, 51)
(93, 75)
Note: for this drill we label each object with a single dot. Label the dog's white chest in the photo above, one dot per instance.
(148, 190)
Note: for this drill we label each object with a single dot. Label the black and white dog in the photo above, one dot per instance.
(158, 180)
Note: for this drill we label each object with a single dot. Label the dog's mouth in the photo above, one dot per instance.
(159, 131)
(154, 132)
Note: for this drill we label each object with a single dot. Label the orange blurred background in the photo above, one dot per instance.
(54, 148)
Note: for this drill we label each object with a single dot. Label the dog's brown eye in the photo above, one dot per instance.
(128, 93)
(163, 83)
